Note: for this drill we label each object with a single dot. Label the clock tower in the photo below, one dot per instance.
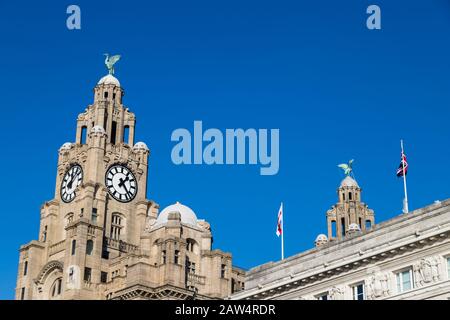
(101, 238)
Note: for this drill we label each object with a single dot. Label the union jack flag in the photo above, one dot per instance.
(403, 167)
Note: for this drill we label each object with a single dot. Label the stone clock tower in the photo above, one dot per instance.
(100, 238)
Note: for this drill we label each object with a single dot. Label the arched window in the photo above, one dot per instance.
(349, 196)
(89, 247)
(106, 94)
(74, 246)
(368, 224)
(83, 135)
(117, 225)
(343, 226)
(191, 245)
(176, 257)
(44, 234)
(113, 132)
(163, 257)
(126, 133)
(56, 288)
(25, 268)
(333, 229)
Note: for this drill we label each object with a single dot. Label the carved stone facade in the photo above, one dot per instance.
(407, 257)
(101, 238)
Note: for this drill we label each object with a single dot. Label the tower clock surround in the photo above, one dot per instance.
(72, 179)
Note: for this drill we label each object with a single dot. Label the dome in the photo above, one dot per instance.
(66, 146)
(98, 129)
(349, 182)
(109, 79)
(187, 215)
(321, 239)
(140, 146)
(353, 227)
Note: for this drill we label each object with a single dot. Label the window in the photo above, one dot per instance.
(25, 268)
(190, 245)
(322, 296)
(360, 223)
(105, 94)
(83, 135)
(87, 274)
(223, 269)
(89, 247)
(177, 256)
(190, 267)
(22, 294)
(368, 224)
(104, 277)
(343, 226)
(343, 196)
(74, 246)
(116, 226)
(56, 288)
(94, 215)
(44, 234)
(448, 267)
(113, 132)
(69, 218)
(358, 291)
(126, 133)
(404, 280)
(333, 229)
(163, 254)
(349, 196)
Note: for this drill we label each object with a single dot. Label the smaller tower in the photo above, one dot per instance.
(349, 213)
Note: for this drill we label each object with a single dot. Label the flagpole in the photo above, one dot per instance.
(282, 232)
(405, 205)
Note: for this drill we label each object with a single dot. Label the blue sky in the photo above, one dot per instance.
(335, 89)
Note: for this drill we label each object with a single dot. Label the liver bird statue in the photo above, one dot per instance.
(111, 61)
(347, 167)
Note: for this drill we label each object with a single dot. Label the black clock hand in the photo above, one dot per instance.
(72, 176)
(122, 183)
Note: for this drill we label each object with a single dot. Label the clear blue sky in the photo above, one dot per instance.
(312, 69)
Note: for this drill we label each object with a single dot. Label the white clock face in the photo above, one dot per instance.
(72, 179)
(121, 183)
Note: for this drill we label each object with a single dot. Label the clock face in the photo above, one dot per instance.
(121, 183)
(72, 179)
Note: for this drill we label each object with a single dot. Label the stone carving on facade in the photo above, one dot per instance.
(378, 285)
(337, 293)
(426, 271)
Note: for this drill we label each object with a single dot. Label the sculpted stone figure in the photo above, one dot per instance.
(337, 293)
(378, 284)
(426, 271)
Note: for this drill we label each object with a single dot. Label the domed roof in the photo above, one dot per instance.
(187, 215)
(66, 146)
(98, 129)
(109, 79)
(140, 146)
(321, 239)
(349, 182)
(353, 227)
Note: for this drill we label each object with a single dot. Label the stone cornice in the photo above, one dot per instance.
(359, 259)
